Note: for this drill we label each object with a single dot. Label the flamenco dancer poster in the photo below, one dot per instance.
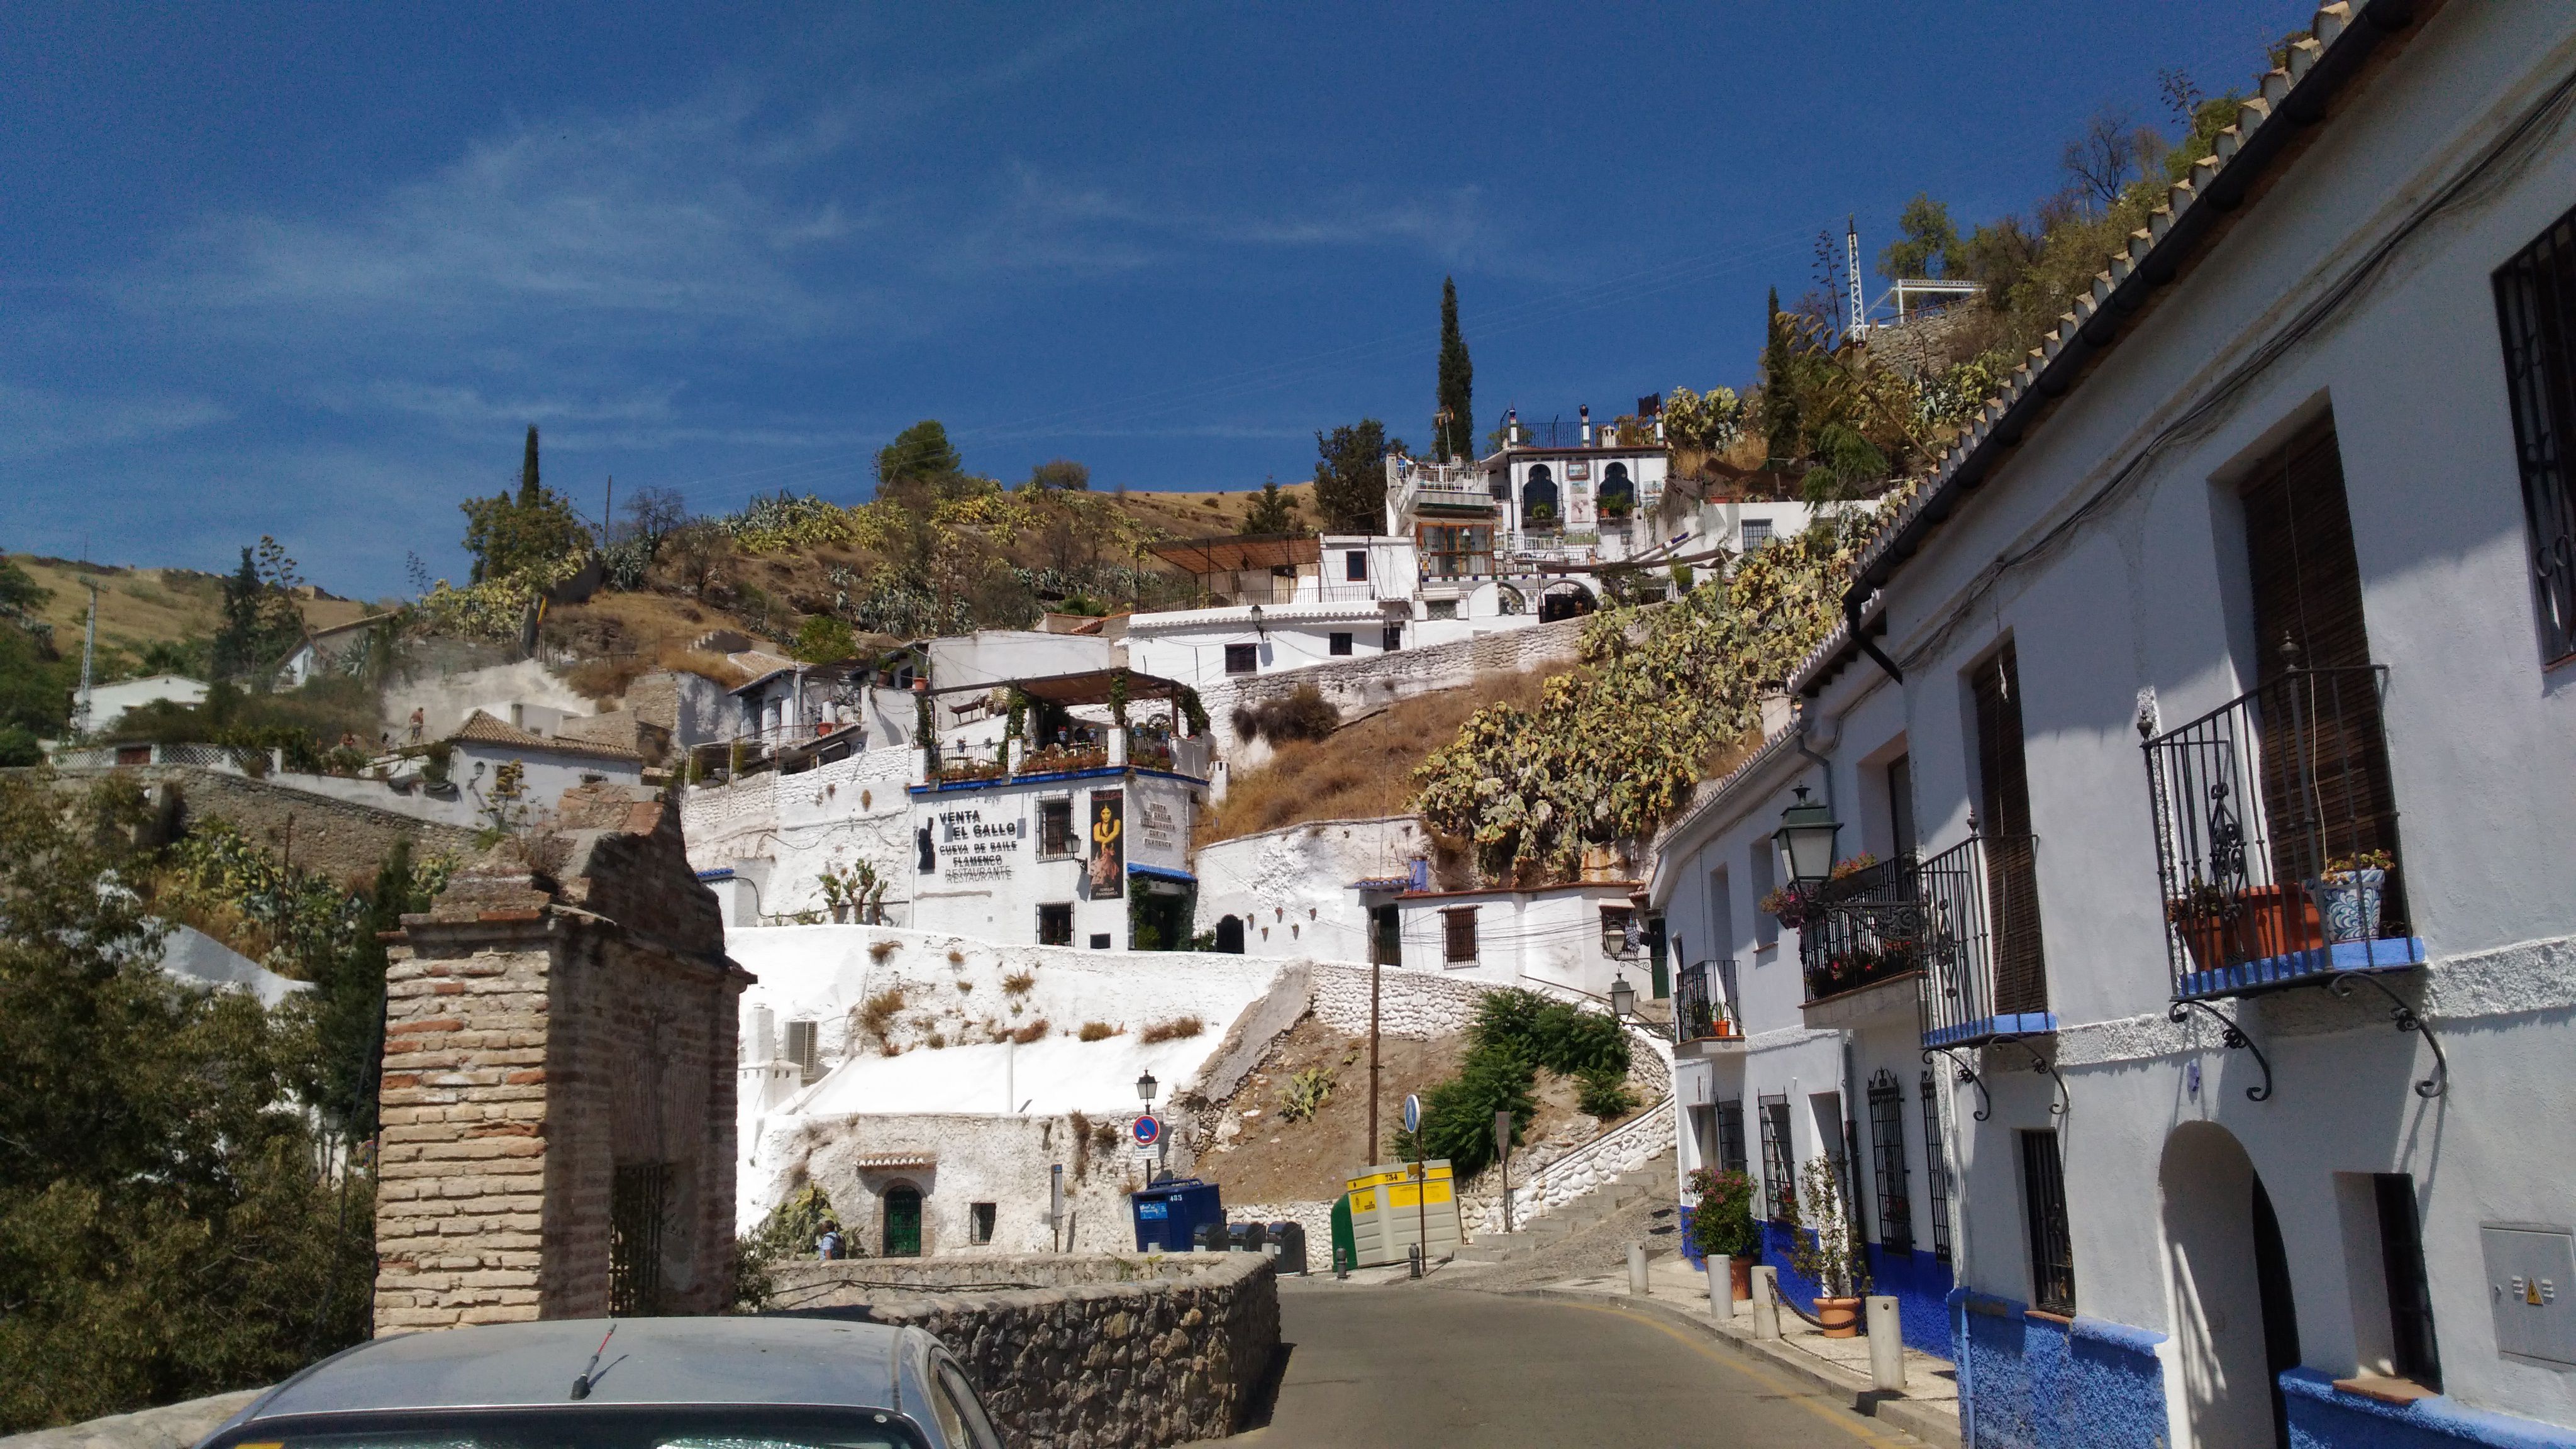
(1108, 845)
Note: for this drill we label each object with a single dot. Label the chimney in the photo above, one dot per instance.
(1511, 427)
(1586, 412)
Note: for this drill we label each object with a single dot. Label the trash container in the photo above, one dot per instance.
(1291, 1241)
(1247, 1237)
(1168, 1214)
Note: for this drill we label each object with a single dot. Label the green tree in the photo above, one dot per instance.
(1272, 511)
(1925, 239)
(1350, 476)
(508, 534)
(822, 639)
(1457, 381)
(20, 595)
(259, 621)
(919, 454)
(1059, 475)
(164, 1230)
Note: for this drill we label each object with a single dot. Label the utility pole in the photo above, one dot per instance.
(1374, 969)
(89, 654)
(608, 514)
(1851, 250)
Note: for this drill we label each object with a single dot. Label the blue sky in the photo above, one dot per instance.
(309, 271)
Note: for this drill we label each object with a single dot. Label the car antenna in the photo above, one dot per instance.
(581, 1381)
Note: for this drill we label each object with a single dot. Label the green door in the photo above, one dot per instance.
(903, 1223)
(1659, 960)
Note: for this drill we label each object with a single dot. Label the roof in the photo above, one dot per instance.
(731, 1360)
(2198, 210)
(482, 729)
(1234, 555)
(1092, 686)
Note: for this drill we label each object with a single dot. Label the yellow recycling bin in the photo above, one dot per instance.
(1386, 1210)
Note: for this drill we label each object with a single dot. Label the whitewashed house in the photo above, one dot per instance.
(1275, 604)
(484, 750)
(2211, 708)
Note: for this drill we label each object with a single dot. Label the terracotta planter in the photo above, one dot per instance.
(1739, 1273)
(1840, 1317)
(2269, 921)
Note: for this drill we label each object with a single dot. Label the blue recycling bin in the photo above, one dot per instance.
(1168, 1214)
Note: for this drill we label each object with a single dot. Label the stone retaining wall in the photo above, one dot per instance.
(1377, 679)
(343, 839)
(1077, 1351)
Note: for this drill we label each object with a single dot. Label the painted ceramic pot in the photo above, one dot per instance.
(2349, 901)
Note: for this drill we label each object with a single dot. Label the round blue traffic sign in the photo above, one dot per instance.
(1148, 1130)
(1412, 1113)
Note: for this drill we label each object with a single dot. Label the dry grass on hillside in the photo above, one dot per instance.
(139, 606)
(1366, 769)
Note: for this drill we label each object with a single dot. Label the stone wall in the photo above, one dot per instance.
(343, 839)
(1097, 1352)
(560, 1028)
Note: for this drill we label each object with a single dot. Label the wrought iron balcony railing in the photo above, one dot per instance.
(2276, 838)
(1985, 976)
(1702, 1006)
(1860, 929)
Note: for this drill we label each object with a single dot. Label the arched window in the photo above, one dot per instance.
(1538, 498)
(903, 1221)
(1618, 492)
(1229, 935)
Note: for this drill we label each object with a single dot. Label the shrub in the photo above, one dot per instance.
(1605, 1094)
(1458, 1114)
(1307, 1092)
(1032, 1032)
(788, 1232)
(1179, 1028)
(1721, 1223)
(1302, 714)
(876, 1016)
(1019, 982)
(1098, 1031)
(1557, 1035)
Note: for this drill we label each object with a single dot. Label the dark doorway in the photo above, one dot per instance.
(1386, 936)
(1572, 602)
(1618, 492)
(903, 1222)
(1538, 499)
(1229, 935)
(2280, 1311)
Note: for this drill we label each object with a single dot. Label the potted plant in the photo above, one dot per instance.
(1828, 1251)
(1721, 1226)
(2350, 892)
(2201, 914)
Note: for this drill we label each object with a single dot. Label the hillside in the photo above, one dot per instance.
(140, 606)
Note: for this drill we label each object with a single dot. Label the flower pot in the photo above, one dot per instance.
(2349, 902)
(2280, 919)
(1739, 1274)
(1840, 1317)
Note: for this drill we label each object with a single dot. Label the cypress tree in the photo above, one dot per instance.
(1457, 379)
(529, 493)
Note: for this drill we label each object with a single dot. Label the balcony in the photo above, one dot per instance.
(1703, 1009)
(2276, 839)
(1984, 977)
(1859, 942)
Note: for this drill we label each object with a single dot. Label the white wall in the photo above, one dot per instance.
(1549, 937)
(446, 699)
(990, 879)
(997, 657)
(782, 831)
(1291, 887)
(545, 775)
(109, 702)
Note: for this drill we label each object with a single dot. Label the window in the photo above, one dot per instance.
(1454, 551)
(1444, 608)
(1386, 936)
(1776, 1176)
(1243, 659)
(1055, 828)
(1538, 498)
(1100, 940)
(2410, 1296)
(1055, 925)
(1761, 865)
(1458, 934)
(1887, 1162)
(1339, 643)
(1730, 1135)
(1355, 566)
(1391, 638)
(1900, 805)
(979, 1222)
(2003, 817)
(1756, 532)
(2052, 1245)
(638, 1207)
(2536, 312)
(1614, 929)
(1936, 1171)
(801, 1049)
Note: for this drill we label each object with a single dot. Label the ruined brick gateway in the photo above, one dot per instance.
(558, 1096)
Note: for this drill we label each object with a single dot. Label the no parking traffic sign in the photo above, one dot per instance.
(1148, 1130)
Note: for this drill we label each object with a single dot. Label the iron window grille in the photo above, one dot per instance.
(1887, 1160)
(1980, 943)
(1781, 1183)
(1862, 929)
(1730, 1135)
(979, 1221)
(1055, 924)
(638, 1207)
(2276, 837)
(1700, 1010)
(1338, 642)
(802, 1051)
(2052, 1242)
(1458, 933)
(1936, 1169)
(1055, 828)
(2414, 1353)
(2536, 313)
(1242, 659)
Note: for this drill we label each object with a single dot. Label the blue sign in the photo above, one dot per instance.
(1153, 1210)
(1147, 1130)
(1412, 1113)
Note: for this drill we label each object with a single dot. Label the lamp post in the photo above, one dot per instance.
(1806, 841)
(1623, 997)
(1259, 629)
(1146, 1087)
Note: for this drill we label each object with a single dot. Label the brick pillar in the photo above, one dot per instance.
(564, 1013)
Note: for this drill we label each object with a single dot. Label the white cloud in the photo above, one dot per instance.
(35, 423)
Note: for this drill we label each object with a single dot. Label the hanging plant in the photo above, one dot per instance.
(1017, 728)
(1193, 713)
(1118, 698)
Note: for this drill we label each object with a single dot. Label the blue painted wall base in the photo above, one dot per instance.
(1919, 1282)
(2324, 1417)
(2035, 1383)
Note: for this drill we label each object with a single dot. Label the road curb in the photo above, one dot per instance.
(1924, 1422)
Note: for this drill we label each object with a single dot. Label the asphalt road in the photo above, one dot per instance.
(1420, 1367)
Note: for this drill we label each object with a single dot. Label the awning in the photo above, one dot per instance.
(1157, 872)
(1089, 687)
(1236, 555)
(888, 1161)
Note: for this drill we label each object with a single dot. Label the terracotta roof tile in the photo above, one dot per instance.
(482, 729)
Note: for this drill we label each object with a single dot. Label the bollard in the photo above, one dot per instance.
(1637, 1270)
(1413, 1258)
(1341, 1265)
(1886, 1347)
(1721, 1290)
(1766, 1302)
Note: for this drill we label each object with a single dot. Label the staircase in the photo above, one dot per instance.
(1650, 1179)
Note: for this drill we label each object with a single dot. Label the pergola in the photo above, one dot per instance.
(1241, 554)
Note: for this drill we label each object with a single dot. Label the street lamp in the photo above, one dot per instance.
(1623, 997)
(1806, 841)
(1258, 627)
(1146, 1086)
